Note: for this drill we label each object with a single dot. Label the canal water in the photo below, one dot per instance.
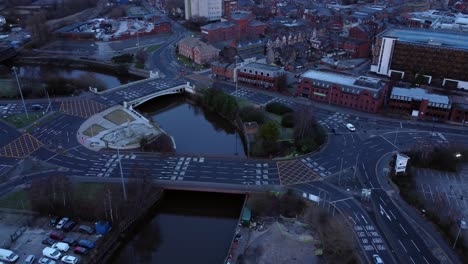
(187, 227)
(195, 131)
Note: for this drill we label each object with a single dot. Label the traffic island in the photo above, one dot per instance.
(117, 127)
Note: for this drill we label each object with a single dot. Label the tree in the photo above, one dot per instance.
(37, 25)
(141, 56)
(269, 132)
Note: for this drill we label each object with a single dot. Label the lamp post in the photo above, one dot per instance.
(121, 172)
(461, 225)
(21, 93)
(235, 72)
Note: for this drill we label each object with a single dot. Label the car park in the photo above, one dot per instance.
(48, 241)
(29, 259)
(86, 243)
(51, 253)
(350, 127)
(69, 225)
(64, 247)
(81, 250)
(86, 229)
(61, 223)
(70, 241)
(45, 260)
(69, 259)
(57, 235)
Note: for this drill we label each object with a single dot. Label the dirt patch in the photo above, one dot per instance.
(278, 244)
(93, 130)
(119, 117)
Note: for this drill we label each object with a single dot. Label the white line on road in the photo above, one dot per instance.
(392, 214)
(389, 142)
(412, 260)
(415, 245)
(382, 201)
(402, 246)
(425, 259)
(403, 229)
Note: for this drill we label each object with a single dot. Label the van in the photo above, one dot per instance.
(8, 255)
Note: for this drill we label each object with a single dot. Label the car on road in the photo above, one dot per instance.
(350, 127)
(86, 229)
(69, 225)
(377, 259)
(36, 107)
(51, 253)
(62, 222)
(70, 241)
(81, 250)
(49, 241)
(86, 243)
(57, 235)
(69, 259)
(29, 259)
(64, 247)
(45, 260)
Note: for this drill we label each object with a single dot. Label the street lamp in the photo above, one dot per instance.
(235, 72)
(21, 93)
(461, 225)
(121, 172)
(458, 155)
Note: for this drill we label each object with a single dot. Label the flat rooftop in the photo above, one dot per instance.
(420, 94)
(445, 39)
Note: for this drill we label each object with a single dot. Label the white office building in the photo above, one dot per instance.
(211, 9)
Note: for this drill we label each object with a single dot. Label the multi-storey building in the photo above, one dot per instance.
(419, 103)
(440, 56)
(362, 93)
(211, 9)
(197, 50)
(261, 76)
(229, 6)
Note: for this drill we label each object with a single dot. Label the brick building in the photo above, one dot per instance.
(459, 111)
(356, 48)
(361, 93)
(223, 71)
(197, 50)
(419, 103)
(261, 76)
(229, 6)
(240, 24)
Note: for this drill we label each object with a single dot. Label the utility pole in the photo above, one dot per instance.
(341, 169)
(396, 136)
(21, 93)
(235, 72)
(121, 176)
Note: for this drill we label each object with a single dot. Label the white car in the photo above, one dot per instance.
(350, 127)
(51, 253)
(377, 259)
(61, 223)
(69, 259)
(64, 247)
(45, 260)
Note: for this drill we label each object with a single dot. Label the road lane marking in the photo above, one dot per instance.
(412, 260)
(402, 246)
(425, 259)
(415, 245)
(392, 214)
(403, 229)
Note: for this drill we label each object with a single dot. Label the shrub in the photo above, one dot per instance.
(252, 114)
(278, 108)
(287, 120)
(124, 58)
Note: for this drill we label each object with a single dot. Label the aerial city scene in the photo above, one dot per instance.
(234, 131)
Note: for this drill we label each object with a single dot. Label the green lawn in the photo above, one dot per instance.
(93, 130)
(152, 48)
(119, 117)
(16, 200)
(8, 88)
(20, 120)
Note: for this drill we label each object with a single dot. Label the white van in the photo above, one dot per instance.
(51, 253)
(8, 255)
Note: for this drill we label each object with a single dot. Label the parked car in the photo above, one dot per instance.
(45, 260)
(64, 247)
(8, 255)
(57, 235)
(48, 241)
(86, 229)
(69, 259)
(69, 225)
(70, 241)
(62, 222)
(54, 220)
(51, 253)
(86, 243)
(81, 250)
(377, 259)
(29, 259)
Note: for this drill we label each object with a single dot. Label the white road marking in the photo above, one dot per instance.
(415, 245)
(402, 246)
(403, 229)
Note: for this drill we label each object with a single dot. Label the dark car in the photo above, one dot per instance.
(54, 220)
(81, 250)
(86, 229)
(86, 243)
(70, 241)
(69, 226)
(57, 235)
(48, 241)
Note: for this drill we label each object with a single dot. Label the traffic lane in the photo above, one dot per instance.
(407, 238)
(59, 131)
(7, 133)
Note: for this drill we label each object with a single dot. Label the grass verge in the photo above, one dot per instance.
(21, 120)
(16, 200)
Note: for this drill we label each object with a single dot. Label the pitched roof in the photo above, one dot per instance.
(218, 25)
